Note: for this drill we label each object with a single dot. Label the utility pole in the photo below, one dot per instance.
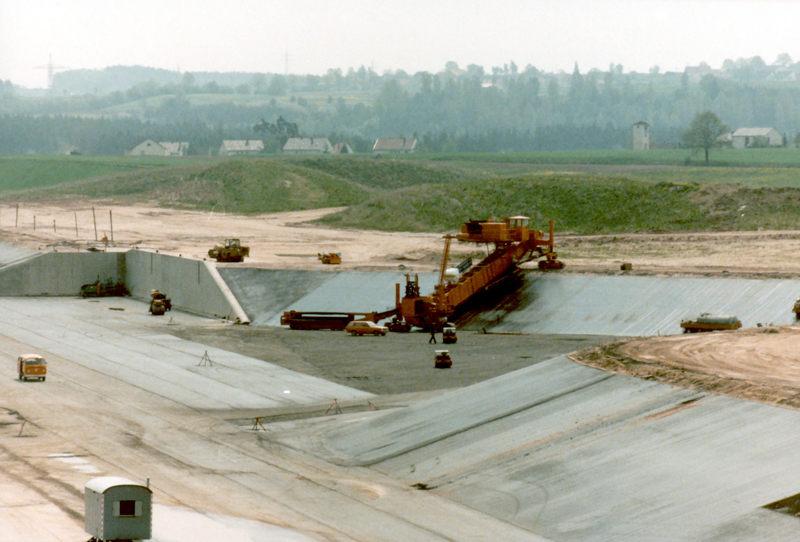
(51, 71)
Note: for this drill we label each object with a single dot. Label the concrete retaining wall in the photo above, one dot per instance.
(192, 285)
(60, 273)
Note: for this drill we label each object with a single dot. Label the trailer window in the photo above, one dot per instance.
(128, 509)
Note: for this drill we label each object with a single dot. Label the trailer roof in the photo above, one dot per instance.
(104, 483)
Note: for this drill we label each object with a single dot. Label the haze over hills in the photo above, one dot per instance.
(469, 109)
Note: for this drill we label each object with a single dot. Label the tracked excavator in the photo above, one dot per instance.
(514, 243)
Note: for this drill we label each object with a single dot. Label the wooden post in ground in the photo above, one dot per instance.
(76, 225)
(16, 220)
(111, 220)
(94, 218)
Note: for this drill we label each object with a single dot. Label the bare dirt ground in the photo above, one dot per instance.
(281, 240)
(757, 364)
(290, 241)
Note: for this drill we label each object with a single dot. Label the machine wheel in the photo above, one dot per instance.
(42, 378)
(20, 376)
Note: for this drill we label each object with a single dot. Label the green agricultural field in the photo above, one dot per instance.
(27, 172)
(780, 157)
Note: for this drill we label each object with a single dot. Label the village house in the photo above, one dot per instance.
(308, 145)
(394, 144)
(165, 148)
(745, 138)
(237, 147)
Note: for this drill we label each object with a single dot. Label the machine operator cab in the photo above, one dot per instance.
(515, 229)
(519, 228)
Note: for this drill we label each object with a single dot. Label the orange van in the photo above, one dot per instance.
(31, 366)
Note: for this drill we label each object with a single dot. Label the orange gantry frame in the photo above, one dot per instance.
(514, 243)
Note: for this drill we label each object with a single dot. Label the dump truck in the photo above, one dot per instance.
(710, 322)
(231, 251)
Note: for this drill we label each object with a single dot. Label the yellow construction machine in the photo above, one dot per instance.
(231, 251)
(333, 258)
(514, 244)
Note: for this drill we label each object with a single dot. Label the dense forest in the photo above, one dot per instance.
(106, 112)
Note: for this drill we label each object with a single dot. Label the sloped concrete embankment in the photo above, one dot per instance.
(573, 453)
(192, 285)
(628, 305)
(266, 293)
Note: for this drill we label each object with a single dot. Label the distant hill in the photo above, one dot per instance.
(122, 78)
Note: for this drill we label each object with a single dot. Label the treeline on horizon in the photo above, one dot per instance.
(466, 110)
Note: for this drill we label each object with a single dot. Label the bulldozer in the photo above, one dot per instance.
(231, 251)
(333, 258)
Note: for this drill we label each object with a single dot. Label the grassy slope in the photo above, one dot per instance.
(239, 186)
(411, 194)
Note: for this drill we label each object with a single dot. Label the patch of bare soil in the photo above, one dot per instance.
(758, 364)
(279, 240)
(755, 254)
(289, 241)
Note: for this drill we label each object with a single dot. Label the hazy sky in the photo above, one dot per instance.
(412, 35)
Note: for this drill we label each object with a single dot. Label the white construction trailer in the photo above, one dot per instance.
(118, 509)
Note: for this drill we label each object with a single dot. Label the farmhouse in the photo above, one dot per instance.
(165, 148)
(745, 138)
(307, 145)
(394, 144)
(235, 147)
